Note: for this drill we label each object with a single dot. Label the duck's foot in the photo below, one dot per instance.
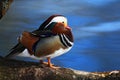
(42, 62)
(49, 64)
(53, 66)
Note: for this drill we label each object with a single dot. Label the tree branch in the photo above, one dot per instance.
(4, 6)
(21, 70)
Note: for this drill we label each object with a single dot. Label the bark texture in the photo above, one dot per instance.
(4, 6)
(21, 70)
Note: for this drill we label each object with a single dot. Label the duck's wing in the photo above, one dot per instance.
(19, 48)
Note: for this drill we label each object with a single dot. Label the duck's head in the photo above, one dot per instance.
(56, 23)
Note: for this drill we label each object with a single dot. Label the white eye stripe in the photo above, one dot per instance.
(57, 19)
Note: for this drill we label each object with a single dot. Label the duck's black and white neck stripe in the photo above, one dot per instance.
(65, 40)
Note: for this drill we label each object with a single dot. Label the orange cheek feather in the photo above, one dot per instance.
(58, 28)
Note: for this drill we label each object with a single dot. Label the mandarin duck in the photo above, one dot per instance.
(53, 38)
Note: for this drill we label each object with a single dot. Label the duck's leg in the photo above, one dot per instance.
(50, 64)
(42, 62)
